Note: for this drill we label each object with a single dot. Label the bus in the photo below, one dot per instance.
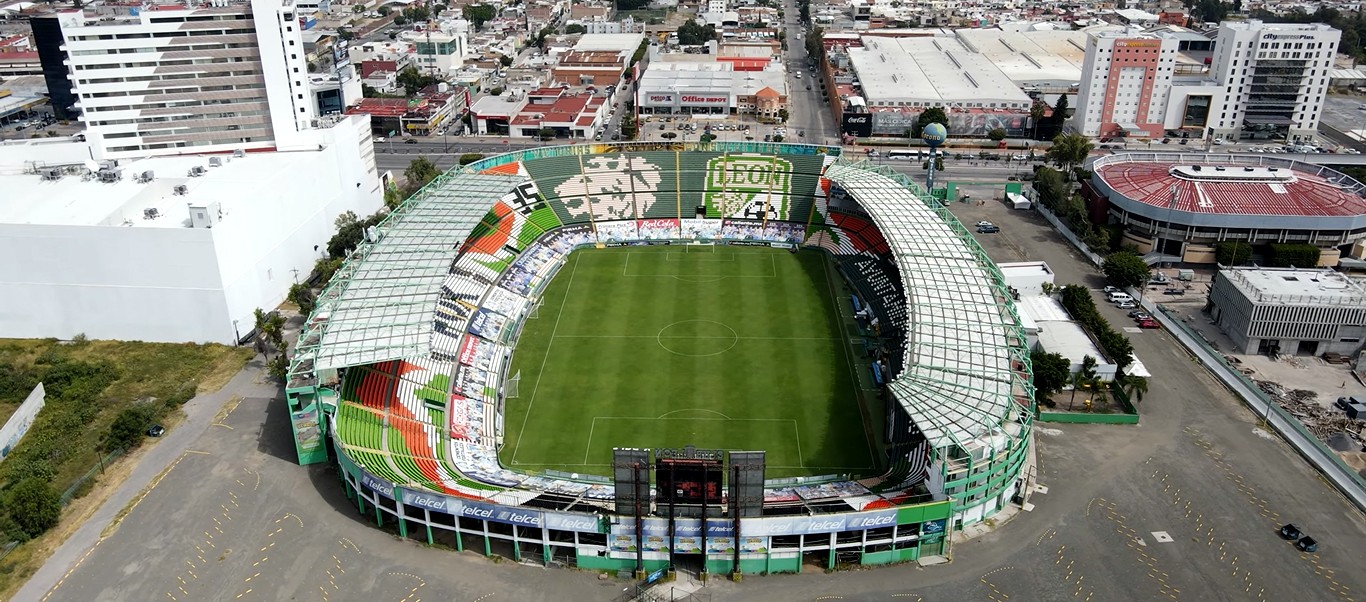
(911, 153)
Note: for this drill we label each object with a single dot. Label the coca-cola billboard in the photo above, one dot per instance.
(857, 124)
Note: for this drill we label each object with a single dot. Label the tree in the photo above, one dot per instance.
(783, 115)
(300, 294)
(1036, 114)
(420, 172)
(1232, 252)
(1134, 386)
(479, 14)
(930, 115)
(1083, 378)
(127, 430)
(692, 33)
(706, 138)
(34, 505)
(575, 28)
(384, 11)
(345, 33)
(1125, 269)
(668, 135)
(1059, 116)
(546, 133)
(997, 134)
(1284, 255)
(1051, 372)
(413, 80)
(505, 60)
(1069, 151)
(468, 158)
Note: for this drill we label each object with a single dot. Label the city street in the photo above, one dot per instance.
(807, 111)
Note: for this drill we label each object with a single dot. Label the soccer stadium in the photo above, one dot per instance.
(1182, 204)
(728, 357)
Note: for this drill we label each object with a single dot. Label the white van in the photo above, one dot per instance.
(1119, 297)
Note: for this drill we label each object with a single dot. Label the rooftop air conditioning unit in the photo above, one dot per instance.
(239, 153)
(150, 213)
(109, 176)
(215, 161)
(197, 171)
(52, 174)
(148, 176)
(181, 190)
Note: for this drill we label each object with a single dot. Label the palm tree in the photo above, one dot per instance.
(1077, 381)
(1134, 386)
(1099, 393)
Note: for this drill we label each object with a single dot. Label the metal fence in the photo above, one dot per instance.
(9, 545)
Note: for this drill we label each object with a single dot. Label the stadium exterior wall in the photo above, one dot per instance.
(596, 542)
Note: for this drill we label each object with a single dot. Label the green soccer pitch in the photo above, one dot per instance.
(737, 348)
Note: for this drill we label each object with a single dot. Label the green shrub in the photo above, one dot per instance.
(34, 506)
(1299, 255)
(1232, 252)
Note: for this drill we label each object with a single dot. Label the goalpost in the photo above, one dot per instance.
(535, 311)
(510, 385)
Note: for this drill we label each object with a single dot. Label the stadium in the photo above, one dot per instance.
(722, 357)
(1185, 203)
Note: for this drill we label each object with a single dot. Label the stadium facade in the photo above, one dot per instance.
(1181, 204)
(400, 373)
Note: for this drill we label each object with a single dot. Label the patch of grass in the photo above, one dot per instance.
(734, 348)
(88, 385)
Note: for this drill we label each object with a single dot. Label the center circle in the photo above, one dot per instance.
(697, 338)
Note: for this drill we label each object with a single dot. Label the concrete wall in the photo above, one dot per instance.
(149, 284)
(263, 243)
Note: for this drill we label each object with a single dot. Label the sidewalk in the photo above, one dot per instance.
(199, 413)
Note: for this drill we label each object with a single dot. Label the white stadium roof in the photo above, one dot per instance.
(958, 382)
(380, 306)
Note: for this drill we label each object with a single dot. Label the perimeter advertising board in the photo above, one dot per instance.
(795, 525)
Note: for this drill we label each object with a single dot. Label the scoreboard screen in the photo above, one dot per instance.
(686, 481)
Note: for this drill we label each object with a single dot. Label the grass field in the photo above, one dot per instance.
(735, 348)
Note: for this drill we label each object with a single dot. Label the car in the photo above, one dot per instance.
(616, 136)
(983, 223)
(1126, 305)
(808, 87)
(410, 140)
(1158, 278)
(379, 138)
(1111, 289)
(661, 127)
(1020, 157)
(1166, 141)
(1184, 142)
(988, 229)
(156, 430)
(801, 134)
(1105, 139)
(1148, 323)
(1174, 291)
(597, 137)
(1218, 140)
(1139, 314)
(1361, 107)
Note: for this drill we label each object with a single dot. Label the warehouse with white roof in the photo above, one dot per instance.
(931, 72)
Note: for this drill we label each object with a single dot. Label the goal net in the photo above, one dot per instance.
(510, 385)
(535, 311)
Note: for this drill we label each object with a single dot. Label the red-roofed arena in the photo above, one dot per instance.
(1189, 202)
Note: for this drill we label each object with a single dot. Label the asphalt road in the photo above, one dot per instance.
(1181, 507)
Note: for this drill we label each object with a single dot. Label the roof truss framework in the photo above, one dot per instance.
(960, 377)
(382, 308)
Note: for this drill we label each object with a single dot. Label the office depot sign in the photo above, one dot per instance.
(703, 100)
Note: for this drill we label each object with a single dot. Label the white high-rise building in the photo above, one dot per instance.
(1275, 78)
(1126, 79)
(224, 76)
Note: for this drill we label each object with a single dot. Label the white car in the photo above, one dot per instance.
(984, 223)
(1218, 140)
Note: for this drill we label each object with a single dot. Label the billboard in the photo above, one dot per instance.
(857, 124)
(307, 436)
(831, 523)
(21, 420)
